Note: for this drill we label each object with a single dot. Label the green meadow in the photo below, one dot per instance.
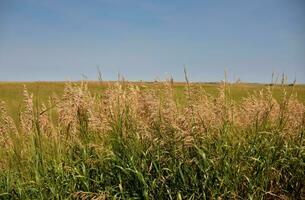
(11, 92)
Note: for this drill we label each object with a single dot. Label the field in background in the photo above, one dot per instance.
(11, 92)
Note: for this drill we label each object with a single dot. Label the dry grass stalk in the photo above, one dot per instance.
(27, 114)
(7, 126)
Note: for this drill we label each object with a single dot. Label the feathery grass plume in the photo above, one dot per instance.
(293, 117)
(27, 114)
(124, 108)
(7, 126)
(170, 135)
(188, 120)
(115, 102)
(97, 116)
(75, 100)
(145, 108)
(137, 111)
(44, 120)
(207, 113)
(259, 109)
(220, 107)
(168, 106)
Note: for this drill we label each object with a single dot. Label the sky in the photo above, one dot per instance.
(56, 40)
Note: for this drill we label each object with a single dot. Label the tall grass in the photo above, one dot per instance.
(141, 143)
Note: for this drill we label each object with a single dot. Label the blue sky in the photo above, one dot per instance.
(148, 39)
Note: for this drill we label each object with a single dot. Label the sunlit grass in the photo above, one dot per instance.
(151, 141)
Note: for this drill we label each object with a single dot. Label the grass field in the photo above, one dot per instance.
(124, 140)
(11, 92)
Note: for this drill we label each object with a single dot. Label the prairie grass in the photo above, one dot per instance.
(139, 141)
(11, 92)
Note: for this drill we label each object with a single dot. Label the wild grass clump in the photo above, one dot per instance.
(140, 142)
